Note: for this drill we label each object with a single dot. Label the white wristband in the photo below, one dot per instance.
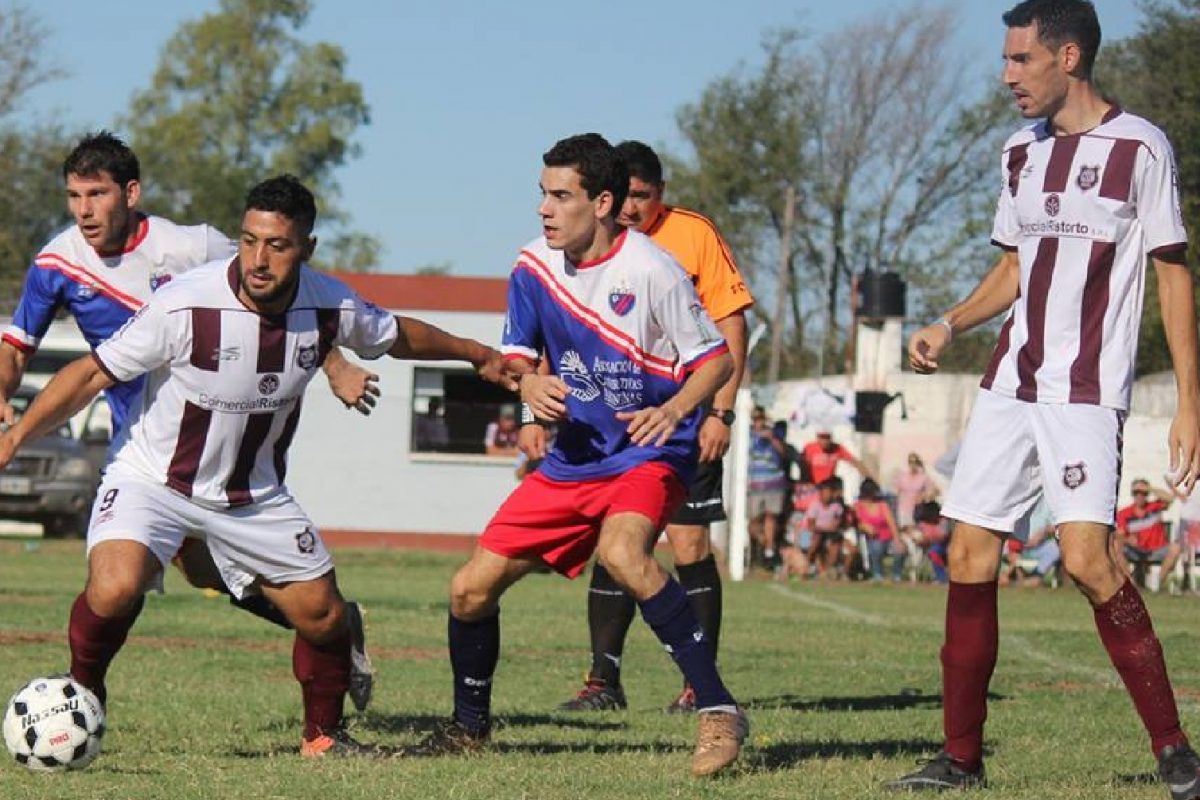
(949, 327)
(527, 417)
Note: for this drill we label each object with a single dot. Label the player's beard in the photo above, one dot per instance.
(282, 291)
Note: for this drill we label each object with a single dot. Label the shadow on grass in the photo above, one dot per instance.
(420, 723)
(881, 702)
(788, 754)
(1141, 779)
(385, 751)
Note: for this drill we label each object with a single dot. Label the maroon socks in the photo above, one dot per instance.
(324, 674)
(968, 660)
(95, 641)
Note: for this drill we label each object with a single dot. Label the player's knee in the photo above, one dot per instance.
(623, 559)
(690, 549)
(322, 624)
(971, 564)
(115, 595)
(469, 601)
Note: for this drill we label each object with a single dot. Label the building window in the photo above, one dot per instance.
(456, 412)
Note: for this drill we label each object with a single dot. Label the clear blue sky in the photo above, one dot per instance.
(465, 96)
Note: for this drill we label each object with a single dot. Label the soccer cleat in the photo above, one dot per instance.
(362, 674)
(1179, 768)
(337, 743)
(596, 695)
(685, 703)
(718, 741)
(938, 775)
(451, 738)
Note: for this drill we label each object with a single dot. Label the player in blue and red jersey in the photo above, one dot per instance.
(102, 270)
(635, 355)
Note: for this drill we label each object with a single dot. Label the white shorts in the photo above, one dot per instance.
(1013, 449)
(273, 539)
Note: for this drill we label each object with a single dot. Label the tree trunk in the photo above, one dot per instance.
(782, 284)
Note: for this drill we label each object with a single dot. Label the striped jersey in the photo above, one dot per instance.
(102, 292)
(1082, 212)
(224, 384)
(622, 332)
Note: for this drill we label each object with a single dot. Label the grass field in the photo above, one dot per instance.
(841, 682)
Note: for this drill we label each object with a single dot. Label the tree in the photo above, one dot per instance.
(237, 97)
(31, 153)
(891, 166)
(1156, 74)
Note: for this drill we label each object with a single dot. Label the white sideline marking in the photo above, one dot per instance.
(1023, 646)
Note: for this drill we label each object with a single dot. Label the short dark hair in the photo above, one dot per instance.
(868, 489)
(599, 165)
(1059, 22)
(834, 483)
(102, 151)
(286, 195)
(641, 161)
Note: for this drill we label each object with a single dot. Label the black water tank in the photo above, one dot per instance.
(881, 294)
(868, 411)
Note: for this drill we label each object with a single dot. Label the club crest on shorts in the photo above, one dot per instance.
(1053, 205)
(621, 299)
(306, 357)
(306, 542)
(268, 384)
(1074, 475)
(1088, 177)
(159, 278)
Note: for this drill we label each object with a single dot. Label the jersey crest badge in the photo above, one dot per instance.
(1088, 177)
(86, 291)
(159, 278)
(621, 300)
(306, 357)
(1074, 475)
(1053, 205)
(268, 384)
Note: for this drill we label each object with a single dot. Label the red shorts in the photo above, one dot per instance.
(559, 521)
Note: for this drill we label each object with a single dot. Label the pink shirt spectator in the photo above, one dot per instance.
(911, 488)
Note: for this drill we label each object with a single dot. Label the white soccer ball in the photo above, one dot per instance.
(54, 724)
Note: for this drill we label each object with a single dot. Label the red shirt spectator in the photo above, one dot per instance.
(1143, 520)
(823, 456)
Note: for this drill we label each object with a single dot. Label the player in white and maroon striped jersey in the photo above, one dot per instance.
(1088, 197)
(227, 351)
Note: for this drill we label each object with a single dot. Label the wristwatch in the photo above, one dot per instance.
(726, 415)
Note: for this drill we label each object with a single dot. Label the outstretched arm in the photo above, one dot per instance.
(994, 294)
(424, 342)
(70, 390)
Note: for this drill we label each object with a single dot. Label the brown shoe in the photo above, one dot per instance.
(718, 741)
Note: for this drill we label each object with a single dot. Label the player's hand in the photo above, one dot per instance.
(1183, 445)
(494, 369)
(8, 449)
(925, 346)
(356, 387)
(531, 440)
(714, 439)
(546, 396)
(650, 426)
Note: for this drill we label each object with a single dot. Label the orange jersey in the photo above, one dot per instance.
(697, 245)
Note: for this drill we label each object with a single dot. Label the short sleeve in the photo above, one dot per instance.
(1006, 228)
(1158, 207)
(686, 323)
(41, 298)
(147, 340)
(719, 283)
(366, 328)
(522, 326)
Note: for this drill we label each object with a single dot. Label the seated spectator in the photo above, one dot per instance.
(932, 537)
(825, 520)
(1188, 535)
(429, 429)
(500, 438)
(1036, 544)
(1142, 530)
(874, 520)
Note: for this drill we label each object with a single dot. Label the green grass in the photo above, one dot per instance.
(841, 682)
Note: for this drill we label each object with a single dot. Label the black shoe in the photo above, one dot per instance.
(596, 695)
(938, 775)
(362, 674)
(451, 738)
(1179, 768)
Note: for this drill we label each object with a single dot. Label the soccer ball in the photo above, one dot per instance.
(53, 724)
